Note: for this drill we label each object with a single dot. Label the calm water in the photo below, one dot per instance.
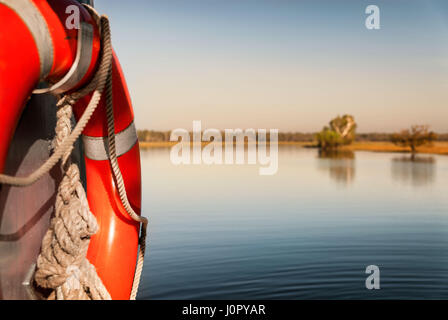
(308, 232)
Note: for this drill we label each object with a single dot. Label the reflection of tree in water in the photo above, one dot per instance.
(415, 170)
(339, 163)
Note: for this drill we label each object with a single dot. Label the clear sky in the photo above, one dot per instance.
(291, 65)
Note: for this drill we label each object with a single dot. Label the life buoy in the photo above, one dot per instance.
(35, 45)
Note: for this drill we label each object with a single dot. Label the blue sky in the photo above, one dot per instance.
(291, 65)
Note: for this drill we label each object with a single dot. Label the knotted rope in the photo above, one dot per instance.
(62, 264)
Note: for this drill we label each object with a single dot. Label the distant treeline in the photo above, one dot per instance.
(153, 136)
(164, 136)
(388, 136)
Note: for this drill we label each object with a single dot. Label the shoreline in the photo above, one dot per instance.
(165, 144)
(438, 147)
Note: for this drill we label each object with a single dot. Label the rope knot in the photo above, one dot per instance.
(73, 277)
(68, 186)
(67, 99)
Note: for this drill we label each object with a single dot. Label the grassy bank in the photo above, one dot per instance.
(161, 144)
(439, 147)
(384, 146)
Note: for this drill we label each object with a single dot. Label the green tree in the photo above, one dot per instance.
(341, 131)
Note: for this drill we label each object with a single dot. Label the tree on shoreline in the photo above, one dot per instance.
(413, 138)
(341, 131)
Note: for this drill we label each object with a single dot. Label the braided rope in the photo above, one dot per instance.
(122, 189)
(62, 264)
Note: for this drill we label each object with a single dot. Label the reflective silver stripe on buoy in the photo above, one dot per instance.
(31, 16)
(96, 148)
(79, 67)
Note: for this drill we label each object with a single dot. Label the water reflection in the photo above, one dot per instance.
(416, 170)
(339, 163)
(224, 232)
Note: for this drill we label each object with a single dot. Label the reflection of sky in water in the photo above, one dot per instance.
(226, 232)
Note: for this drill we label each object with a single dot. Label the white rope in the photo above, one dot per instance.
(122, 191)
(62, 264)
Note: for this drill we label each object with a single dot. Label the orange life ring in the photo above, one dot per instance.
(35, 45)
